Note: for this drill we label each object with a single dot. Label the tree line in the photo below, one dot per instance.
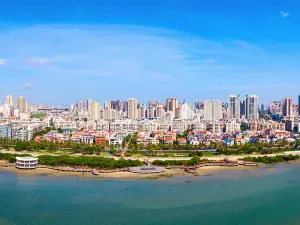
(273, 159)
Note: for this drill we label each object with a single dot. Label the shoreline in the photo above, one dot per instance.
(169, 173)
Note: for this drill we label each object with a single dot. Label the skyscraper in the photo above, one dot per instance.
(160, 111)
(243, 108)
(213, 110)
(252, 107)
(89, 106)
(107, 105)
(299, 105)
(287, 109)
(125, 106)
(22, 104)
(151, 111)
(117, 105)
(95, 111)
(9, 100)
(80, 105)
(132, 108)
(234, 107)
(143, 111)
(171, 105)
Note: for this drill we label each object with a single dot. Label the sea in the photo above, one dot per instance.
(267, 195)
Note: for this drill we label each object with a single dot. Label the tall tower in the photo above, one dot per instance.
(9, 100)
(213, 110)
(234, 107)
(22, 104)
(252, 107)
(287, 109)
(171, 105)
(299, 105)
(89, 106)
(132, 108)
(95, 111)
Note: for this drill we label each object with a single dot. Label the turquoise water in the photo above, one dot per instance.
(235, 197)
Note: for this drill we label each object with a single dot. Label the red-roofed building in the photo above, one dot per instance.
(100, 140)
(181, 141)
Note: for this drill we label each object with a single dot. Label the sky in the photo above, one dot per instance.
(58, 52)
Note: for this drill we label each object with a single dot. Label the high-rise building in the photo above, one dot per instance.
(199, 105)
(107, 105)
(243, 108)
(299, 105)
(213, 110)
(117, 105)
(80, 105)
(143, 111)
(151, 110)
(9, 100)
(125, 106)
(160, 111)
(234, 107)
(111, 114)
(287, 109)
(252, 107)
(89, 106)
(171, 105)
(187, 112)
(132, 108)
(22, 104)
(95, 112)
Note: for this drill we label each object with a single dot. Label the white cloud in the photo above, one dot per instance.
(38, 60)
(27, 85)
(122, 51)
(284, 14)
(2, 62)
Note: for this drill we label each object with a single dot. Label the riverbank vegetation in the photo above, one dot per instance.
(151, 150)
(92, 162)
(194, 161)
(11, 157)
(273, 159)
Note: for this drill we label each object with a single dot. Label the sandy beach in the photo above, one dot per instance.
(126, 175)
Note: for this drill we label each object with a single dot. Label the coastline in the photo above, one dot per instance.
(203, 171)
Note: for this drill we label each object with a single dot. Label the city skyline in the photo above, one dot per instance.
(118, 103)
(101, 49)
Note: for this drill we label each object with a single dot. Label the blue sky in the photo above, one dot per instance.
(58, 52)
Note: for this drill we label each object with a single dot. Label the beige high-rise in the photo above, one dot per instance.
(95, 111)
(160, 111)
(171, 104)
(132, 108)
(22, 104)
(9, 100)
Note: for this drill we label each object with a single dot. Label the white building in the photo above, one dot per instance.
(111, 114)
(234, 107)
(213, 110)
(232, 126)
(215, 127)
(26, 163)
(187, 113)
(252, 107)
(9, 100)
(102, 125)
